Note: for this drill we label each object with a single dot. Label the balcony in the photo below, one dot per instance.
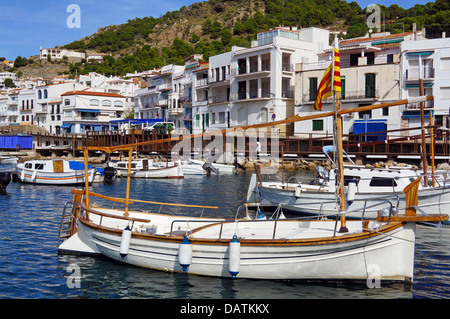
(176, 111)
(287, 94)
(201, 82)
(416, 106)
(361, 95)
(252, 95)
(219, 99)
(412, 74)
(162, 103)
(164, 87)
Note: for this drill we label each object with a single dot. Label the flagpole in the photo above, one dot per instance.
(339, 145)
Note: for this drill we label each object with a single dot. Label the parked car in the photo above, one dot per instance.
(161, 127)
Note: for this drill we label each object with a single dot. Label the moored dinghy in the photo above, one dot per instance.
(54, 172)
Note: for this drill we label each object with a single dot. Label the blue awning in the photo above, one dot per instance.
(416, 114)
(420, 53)
(66, 125)
(416, 86)
(89, 111)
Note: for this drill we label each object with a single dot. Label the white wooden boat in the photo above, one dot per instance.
(369, 184)
(53, 172)
(147, 168)
(222, 168)
(8, 160)
(248, 248)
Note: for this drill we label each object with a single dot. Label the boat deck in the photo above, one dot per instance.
(201, 228)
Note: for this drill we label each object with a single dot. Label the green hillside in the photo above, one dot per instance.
(212, 27)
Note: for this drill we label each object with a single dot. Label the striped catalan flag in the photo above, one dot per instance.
(324, 89)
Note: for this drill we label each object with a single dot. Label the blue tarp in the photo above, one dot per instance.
(363, 126)
(11, 141)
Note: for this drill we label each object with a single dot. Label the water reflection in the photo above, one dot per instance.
(31, 268)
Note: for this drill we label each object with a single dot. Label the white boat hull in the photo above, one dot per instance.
(223, 168)
(431, 201)
(290, 255)
(162, 172)
(49, 178)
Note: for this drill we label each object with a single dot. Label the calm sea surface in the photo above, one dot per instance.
(31, 268)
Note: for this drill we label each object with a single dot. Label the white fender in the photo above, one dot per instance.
(125, 242)
(298, 191)
(234, 256)
(185, 253)
(351, 191)
(33, 176)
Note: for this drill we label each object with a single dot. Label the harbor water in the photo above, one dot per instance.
(31, 268)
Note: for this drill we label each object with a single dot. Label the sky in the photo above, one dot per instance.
(25, 25)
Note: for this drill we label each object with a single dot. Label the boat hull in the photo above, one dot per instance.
(49, 178)
(163, 172)
(372, 257)
(431, 201)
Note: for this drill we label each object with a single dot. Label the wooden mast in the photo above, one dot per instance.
(338, 136)
(339, 150)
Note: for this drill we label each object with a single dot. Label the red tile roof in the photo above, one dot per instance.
(92, 93)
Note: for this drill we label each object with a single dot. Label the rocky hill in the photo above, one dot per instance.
(213, 26)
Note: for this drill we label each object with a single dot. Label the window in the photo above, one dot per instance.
(66, 102)
(354, 59)
(118, 103)
(93, 102)
(370, 58)
(348, 178)
(106, 103)
(39, 166)
(45, 94)
(312, 89)
(444, 93)
(390, 58)
(370, 85)
(445, 63)
(382, 181)
(342, 87)
(213, 118)
(361, 114)
(317, 125)
(264, 115)
(221, 117)
(39, 94)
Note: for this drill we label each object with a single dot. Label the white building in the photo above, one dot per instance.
(26, 105)
(217, 112)
(48, 112)
(59, 54)
(262, 77)
(4, 76)
(428, 59)
(370, 74)
(153, 102)
(3, 109)
(90, 111)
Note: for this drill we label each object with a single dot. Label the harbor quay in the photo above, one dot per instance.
(294, 153)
